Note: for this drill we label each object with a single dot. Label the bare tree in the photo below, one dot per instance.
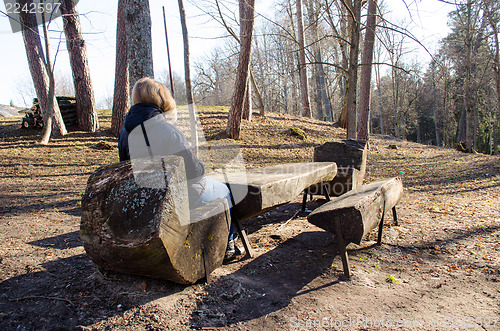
(322, 100)
(254, 88)
(187, 77)
(366, 71)
(304, 89)
(85, 102)
(492, 11)
(355, 13)
(121, 98)
(234, 121)
(41, 73)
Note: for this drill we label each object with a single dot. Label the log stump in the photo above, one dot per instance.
(140, 230)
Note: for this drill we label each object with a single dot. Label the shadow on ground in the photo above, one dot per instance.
(72, 292)
(268, 283)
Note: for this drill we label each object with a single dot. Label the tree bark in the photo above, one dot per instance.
(468, 63)
(255, 88)
(233, 128)
(353, 70)
(381, 117)
(324, 104)
(344, 31)
(247, 106)
(258, 95)
(366, 71)
(187, 78)
(304, 89)
(37, 62)
(121, 98)
(496, 57)
(139, 44)
(84, 94)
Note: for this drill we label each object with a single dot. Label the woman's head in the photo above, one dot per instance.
(147, 90)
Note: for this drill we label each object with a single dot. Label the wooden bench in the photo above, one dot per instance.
(146, 230)
(351, 216)
(256, 191)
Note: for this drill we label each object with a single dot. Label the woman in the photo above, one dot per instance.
(152, 109)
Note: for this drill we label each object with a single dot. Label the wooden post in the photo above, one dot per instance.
(342, 248)
(380, 229)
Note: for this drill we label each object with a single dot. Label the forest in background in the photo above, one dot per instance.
(314, 58)
(427, 104)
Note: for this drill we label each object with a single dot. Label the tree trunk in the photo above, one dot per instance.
(85, 103)
(345, 30)
(187, 77)
(436, 118)
(379, 90)
(324, 104)
(304, 89)
(41, 77)
(247, 106)
(366, 71)
(121, 98)
(258, 95)
(246, 30)
(139, 44)
(353, 70)
(496, 59)
(255, 88)
(468, 63)
(51, 100)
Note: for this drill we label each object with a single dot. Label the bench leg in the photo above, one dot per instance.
(244, 238)
(395, 216)
(325, 192)
(206, 266)
(380, 229)
(342, 249)
(304, 201)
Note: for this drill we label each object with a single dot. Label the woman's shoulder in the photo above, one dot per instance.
(160, 126)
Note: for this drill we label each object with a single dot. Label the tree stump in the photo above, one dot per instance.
(147, 231)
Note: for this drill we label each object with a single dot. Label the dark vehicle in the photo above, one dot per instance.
(67, 106)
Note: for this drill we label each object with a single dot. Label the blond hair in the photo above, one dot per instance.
(147, 90)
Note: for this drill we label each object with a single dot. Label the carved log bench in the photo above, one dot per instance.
(143, 225)
(257, 191)
(351, 216)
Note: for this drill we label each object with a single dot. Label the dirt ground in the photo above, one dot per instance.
(439, 268)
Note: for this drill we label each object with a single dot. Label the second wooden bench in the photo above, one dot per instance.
(353, 215)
